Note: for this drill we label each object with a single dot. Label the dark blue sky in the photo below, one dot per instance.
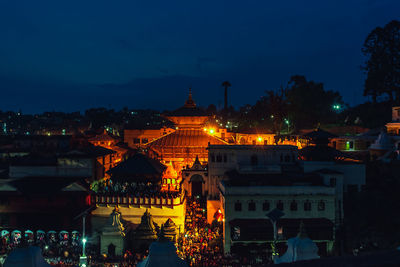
(73, 55)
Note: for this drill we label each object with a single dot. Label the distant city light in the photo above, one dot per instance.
(287, 121)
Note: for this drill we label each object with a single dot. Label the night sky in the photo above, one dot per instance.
(73, 55)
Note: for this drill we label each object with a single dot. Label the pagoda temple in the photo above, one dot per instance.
(189, 139)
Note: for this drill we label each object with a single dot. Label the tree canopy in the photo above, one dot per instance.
(382, 49)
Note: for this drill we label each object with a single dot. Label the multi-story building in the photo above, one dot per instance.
(246, 159)
(252, 180)
(246, 199)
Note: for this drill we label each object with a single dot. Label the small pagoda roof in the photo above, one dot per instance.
(188, 110)
(138, 165)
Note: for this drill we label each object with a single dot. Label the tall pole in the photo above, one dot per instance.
(83, 235)
(226, 98)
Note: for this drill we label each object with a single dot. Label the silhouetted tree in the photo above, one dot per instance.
(382, 49)
(309, 104)
(277, 108)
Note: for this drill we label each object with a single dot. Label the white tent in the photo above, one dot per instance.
(26, 257)
(162, 253)
(299, 249)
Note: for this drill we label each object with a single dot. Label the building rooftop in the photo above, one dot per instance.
(138, 165)
(187, 138)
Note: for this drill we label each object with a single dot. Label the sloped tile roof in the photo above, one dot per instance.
(138, 164)
(187, 138)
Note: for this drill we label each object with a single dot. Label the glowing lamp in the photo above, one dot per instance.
(212, 131)
(259, 139)
(84, 240)
(205, 129)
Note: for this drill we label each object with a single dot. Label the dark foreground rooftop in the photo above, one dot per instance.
(379, 258)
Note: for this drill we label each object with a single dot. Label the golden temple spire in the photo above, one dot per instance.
(189, 103)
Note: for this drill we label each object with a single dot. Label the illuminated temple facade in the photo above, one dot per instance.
(179, 147)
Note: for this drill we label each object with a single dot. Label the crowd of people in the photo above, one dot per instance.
(200, 245)
(134, 189)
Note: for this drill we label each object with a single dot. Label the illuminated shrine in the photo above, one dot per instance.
(190, 139)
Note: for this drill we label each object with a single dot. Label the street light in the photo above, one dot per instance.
(287, 122)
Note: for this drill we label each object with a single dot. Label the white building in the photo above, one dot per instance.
(246, 159)
(252, 180)
(247, 198)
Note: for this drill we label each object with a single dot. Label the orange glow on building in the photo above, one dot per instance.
(170, 179)
(109, 142)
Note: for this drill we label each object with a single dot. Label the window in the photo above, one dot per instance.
(225, 158)
(321, 205)
(252, 206)
(212, 157)
(238, 206)
(219, 158)
(351, 145)
(279, 205)
(254, 142)
(265, 142)
(136, 140)
(293, 205)
(266, 206)
(254, 160)
(307, 205)
(332, 182)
